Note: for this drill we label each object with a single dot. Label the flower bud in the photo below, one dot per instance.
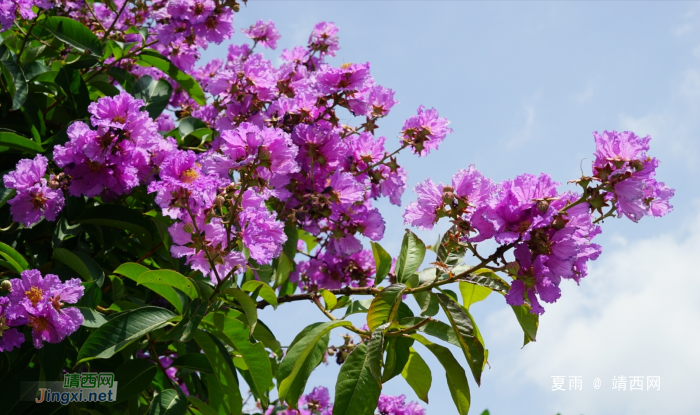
(6, 285)
(513, 267)
(543, 205)
(448, 194)
(188, 227)
(53, 183)
(219, 201)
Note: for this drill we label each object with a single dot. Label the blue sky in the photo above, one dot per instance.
(524, 85)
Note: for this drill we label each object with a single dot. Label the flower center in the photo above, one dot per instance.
(34, 294)
(94, 166)
(120, 119)
(38, 323)
(189, 175)
(38, 200)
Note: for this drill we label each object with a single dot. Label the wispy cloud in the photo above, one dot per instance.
(524, 122)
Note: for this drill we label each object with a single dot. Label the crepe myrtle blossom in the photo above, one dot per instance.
(9, 336)
(622, 164)
(36, 197)
(423, 213)
(324, 39)
(265, 34)
(424, 131)
(396, 405)
(39, 303)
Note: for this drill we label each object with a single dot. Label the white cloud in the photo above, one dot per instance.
(636, 314)
(525, 119)
(585, 95)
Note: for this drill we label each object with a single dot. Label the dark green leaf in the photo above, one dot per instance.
(397, 354)
(224, 395)
(410, 258)
(134, 376)
(462, 326)
(528, 321)
(155, 94)
(85, 266)
(19, 89)
(75, 89)
(120, 217)
(456, 378)
(17, 142)
(92, 318)
(197, 362)
(382, 262)
(384, 306)
(299, 352)
(117, 333)
(74, 33)
(168, 402)
(356, 391)
(186, 327)
(417, 374)
(13, 257)
(150, 57)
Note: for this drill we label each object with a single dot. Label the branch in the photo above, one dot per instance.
(310, 295)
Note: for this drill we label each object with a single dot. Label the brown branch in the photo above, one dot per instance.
(311, 295)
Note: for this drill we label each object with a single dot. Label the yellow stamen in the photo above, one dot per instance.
(34, 294)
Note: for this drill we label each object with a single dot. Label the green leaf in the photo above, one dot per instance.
(284, 267)
(472, 293)
(134, 376)
(6, 195)
(375, 347)
(224, 394)
(528, 321)
(310, 240)
(150, 57)
(193, 361)
(131, 270)
(186, 327)
(256, 358)
(18, 142)
(19, 89)
(356, 391)
(329, 298)
(358, 306)
(118, 332)
(75, 89)
(382, 262)
(155, 94)
(462, 326)
(13, 257)
(410, 258)
(397, 354)
(170, 278)
(201, 406)
(417, 374)
(168, 402)
(384, 306)
(91, 318)
(250, 307)
(456, 378)
(450, 251)
(85, 266)
(263, 290)
(298, 354)
(74, 33)
(487, 278)
(120, 217)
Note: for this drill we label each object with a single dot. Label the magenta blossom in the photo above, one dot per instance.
(265, 34)
(425, 131)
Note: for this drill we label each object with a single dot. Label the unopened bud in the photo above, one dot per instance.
(188, 227)
(219, 201)
(6, 285)
(543, 206)
(53, 183)
(513, 268)
(637, 165)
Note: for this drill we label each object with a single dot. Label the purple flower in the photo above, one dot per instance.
(396, 405)
(423, 213)
(425, 131)
(349, 77)
(263, 235)
(344, 189)
(264, 33)
(9, 337)
(317, 400)
(324, 38)
(34, 199)
(472, 187)
(8, 11)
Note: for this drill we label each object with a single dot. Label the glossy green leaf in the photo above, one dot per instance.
(256, 358)
(528, 321)
(18, 142)
(186, 327)
(92, 318)
(13, 257)
(168, 402)
(134, 376)
(358, 306)
(417, 374)
(202, 407)
(150, 57)
(197, 362)
(85, 266)
(224, 394)
(329, 298)
(154, 93)
(118, 332)
(472, 293)
(456, 378)
(382, 262)
(250, 307)
(19, 90)
(73, 33)
(356, 390)
(384, 306)
(75, 90)
(397, 354)
(298, 354)
(410, 258)
(170, 278)
(462, 326)
(131, 270)
(263, 290)
(375, 351)
(487, 278)
(6, 195)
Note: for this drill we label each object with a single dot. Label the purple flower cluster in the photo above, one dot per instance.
(330, 271)
(10, 9)
(396, 405)
(36, 197)
(114, 158)
(622, 164)
(265, 34)
(38, 302)
(425, 131)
